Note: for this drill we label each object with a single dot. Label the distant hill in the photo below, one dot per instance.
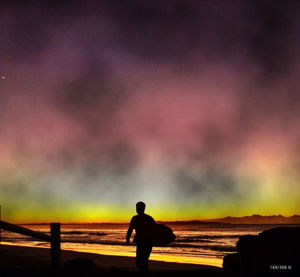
(195, 222)
(259, 219)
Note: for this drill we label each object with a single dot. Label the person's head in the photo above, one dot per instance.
(140, 207)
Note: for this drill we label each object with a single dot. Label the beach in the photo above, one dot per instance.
(195, 243)
(198, 248)
(35, 261)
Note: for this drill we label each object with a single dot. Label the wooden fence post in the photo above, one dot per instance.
(55, 247)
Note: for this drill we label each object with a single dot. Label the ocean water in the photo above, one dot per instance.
(195, 243)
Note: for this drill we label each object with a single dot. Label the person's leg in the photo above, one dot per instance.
(139, 256)
(143, 251)
(148, 249)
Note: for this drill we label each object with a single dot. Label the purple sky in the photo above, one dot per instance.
(191, 106)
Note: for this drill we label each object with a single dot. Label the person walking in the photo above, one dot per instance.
(143, 225)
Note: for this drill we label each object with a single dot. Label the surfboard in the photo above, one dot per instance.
(162, 235)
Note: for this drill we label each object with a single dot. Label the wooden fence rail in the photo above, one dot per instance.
(24, 231)
(54, 239)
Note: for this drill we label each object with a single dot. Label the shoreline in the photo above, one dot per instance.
(38, 258)
(155, 257)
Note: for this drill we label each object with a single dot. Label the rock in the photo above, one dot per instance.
(273, 252)
(232, 265)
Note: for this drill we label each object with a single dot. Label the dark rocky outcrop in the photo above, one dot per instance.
(274, 252)
(232, 265)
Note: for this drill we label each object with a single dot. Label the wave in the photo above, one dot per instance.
(85, 240)
(98, 234)
(91, 241)
(194, 240)
(206, 238)
(73, 233)
(209, 247)
(173, 245)
(214, 237)
(84, 233)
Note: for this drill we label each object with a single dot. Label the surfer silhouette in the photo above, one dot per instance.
(143, 225)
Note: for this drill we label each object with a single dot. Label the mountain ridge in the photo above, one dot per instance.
(258, 219)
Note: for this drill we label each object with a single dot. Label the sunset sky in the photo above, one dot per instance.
(190, 106)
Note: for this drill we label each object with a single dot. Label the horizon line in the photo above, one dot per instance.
(161, 220)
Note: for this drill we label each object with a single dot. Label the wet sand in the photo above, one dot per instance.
(37, 261)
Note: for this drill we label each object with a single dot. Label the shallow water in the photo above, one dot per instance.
(197, 244)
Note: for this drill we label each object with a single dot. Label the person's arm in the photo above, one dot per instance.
(129, 231)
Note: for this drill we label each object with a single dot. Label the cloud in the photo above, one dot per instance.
(176, 99)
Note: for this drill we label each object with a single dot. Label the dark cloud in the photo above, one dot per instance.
(168, 30)
(208, 185)
(208, 174)
(270, 34)
(92, 99)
